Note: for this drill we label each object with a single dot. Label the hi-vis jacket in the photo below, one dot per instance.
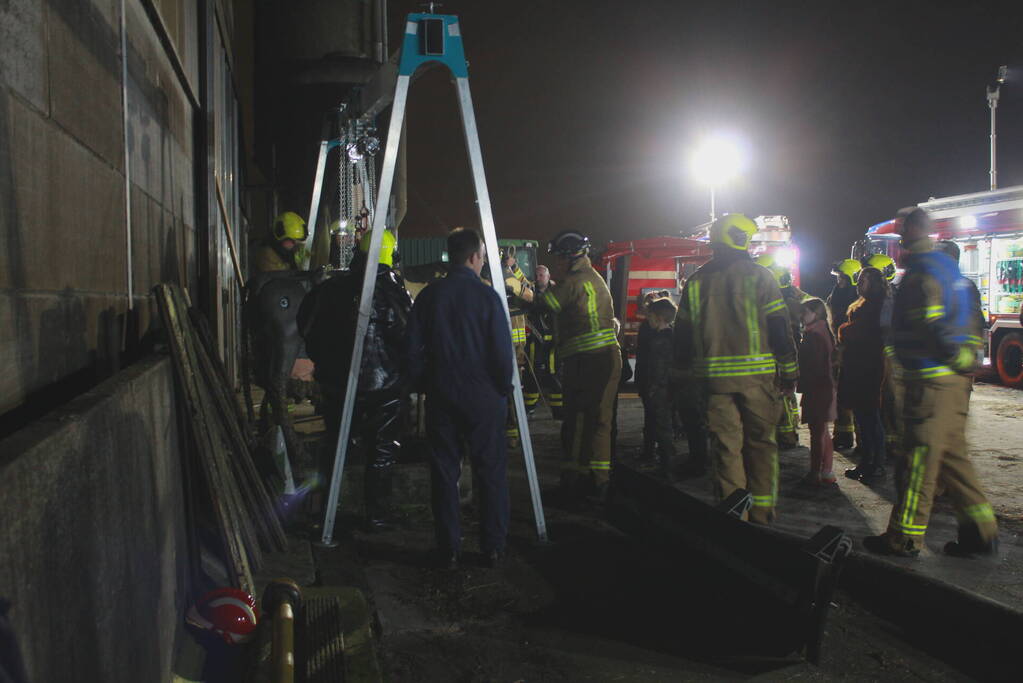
(585, 314)
(732, 328)
(935, 321)
(514, 281)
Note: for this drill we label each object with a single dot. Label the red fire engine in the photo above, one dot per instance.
(634, 268)
(988, 227)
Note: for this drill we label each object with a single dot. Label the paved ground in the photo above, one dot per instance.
(597, 605)
(995, 436)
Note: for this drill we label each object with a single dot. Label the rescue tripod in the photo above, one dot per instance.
(427, 38)
(357, 146)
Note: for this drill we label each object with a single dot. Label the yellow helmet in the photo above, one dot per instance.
(781, 274)
(733, 230)
(884, 263)
(849, 267)
(289, 226)
(386, 247)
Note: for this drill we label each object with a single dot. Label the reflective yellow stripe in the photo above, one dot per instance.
(912, 500)
(981, 512)
(776, 305)
(752, 319)
(734, 366)
(591, 306)
(519, 274)
(589, 341)
(789, 367)
(927, 373)
(551, 301)
(600, 465)
(694, 315)
(518, 335)
(926, 313)
(732, 373)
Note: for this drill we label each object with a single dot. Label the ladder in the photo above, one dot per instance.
(428, 37)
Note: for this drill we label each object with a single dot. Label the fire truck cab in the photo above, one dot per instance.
(988, 227)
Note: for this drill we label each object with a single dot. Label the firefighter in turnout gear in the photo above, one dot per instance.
(287, 250)
(892, 389)
(541, 355)
(847, 273)
(518, 290)
(936, 333)
(732, 335)
(787, 436)
(591, 361)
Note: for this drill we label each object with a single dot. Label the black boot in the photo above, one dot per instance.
(842, 441)
(380, 515)
(664, 468)
(971, 544)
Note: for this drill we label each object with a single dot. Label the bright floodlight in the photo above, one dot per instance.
(784, 257)
(718, 160)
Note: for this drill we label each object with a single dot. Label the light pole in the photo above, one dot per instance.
(993, 93)
(716, 161)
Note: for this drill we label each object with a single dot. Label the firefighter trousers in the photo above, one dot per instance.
(845, 428)
(788, 437)
(542, 359)
(935, 447)
(892, 392)
(590, 388)
(744, 454)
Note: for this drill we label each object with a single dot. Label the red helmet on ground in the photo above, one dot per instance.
(227, 612)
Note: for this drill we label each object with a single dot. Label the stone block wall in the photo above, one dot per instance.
(65, 260)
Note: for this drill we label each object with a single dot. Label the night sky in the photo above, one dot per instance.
(588, 111)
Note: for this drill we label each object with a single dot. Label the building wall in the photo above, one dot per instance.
(96, 559)
(92, 530)
(68, 255)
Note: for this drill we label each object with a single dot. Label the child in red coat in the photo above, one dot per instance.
(817, 385)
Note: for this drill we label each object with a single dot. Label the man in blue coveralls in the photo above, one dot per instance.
(461, 355)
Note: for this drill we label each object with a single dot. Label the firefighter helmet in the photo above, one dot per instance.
(733, 230)
(289, 226)
(386, 247)
(229, 613)
(569, 243)
(884, 263)
(849, 267)
(781, 274)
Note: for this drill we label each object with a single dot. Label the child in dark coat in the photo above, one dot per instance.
(656, 395)
(817, 385)
(863, 372)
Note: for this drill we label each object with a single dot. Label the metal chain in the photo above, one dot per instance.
(371, 182)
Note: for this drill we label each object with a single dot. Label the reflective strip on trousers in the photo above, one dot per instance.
(980, 513)
(912, 497)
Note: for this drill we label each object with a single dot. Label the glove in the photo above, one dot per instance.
(964, 359)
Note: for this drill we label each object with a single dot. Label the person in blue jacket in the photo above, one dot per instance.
(460, 354)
